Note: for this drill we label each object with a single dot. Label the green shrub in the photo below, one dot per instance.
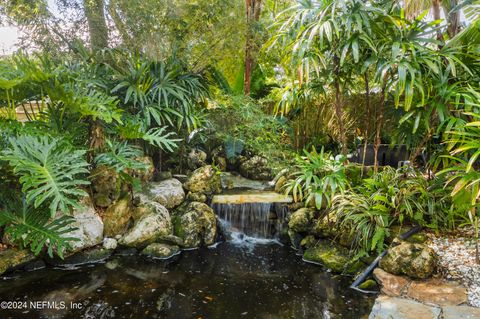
(242, 126)
(391, 197)
(317, 179)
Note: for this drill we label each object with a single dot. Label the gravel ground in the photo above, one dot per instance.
(457, 261)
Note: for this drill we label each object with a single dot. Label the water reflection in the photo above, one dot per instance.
(229, 281)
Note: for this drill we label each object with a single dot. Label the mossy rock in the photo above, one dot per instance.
(146, 174)
(333, 257)
(13, 258)
(308, 242)
(255, 168)
(196, 197)
(168, 193)
(116, 218)
(301, 220)
(196, 224)
(106, 186)
(324, 227)
(153, 225)
(414, 260)
(204, 180)
(369, 284)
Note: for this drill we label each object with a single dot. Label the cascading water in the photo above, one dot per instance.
(252, 216)
(259, 220)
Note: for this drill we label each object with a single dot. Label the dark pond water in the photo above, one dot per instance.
(232, 280)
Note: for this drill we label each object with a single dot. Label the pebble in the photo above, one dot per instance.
(456, 260)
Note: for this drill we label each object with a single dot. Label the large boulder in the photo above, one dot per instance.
(117, 217)
(168, 193)
(204, 180)
(89, 227)
(332, 256)
(153, 224)
(12, 258)
(256, 168)
(413, 260)
(196, 224)
(301, 220)
(160, 251)
(106, 186)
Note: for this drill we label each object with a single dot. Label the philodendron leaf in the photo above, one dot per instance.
(233, 147)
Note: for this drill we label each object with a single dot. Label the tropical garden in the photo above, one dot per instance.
(100, 98)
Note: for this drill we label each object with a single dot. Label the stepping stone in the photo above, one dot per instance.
(392, 285)
(461, 312)
(397, 308)
(438, 292)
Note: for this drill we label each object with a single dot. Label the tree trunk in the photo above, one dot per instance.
(378, 137)
(453, 21)
(339, 114)
(339, 107)
(253, 8)
(436, 16)
(121, 27)
(367, 119)
(95, 13)
(96, 138)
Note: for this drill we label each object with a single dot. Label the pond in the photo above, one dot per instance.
(242, 278)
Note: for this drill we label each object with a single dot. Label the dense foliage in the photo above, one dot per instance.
(293, 82)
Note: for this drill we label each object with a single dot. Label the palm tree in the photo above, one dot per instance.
(325, 38)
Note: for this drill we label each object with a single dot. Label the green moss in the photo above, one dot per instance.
(419, 238)
(369, 284)
(177, 227)
(354, 266)
(331, 256)
(308, 241)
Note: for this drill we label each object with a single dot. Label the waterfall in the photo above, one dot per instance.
(258, 220)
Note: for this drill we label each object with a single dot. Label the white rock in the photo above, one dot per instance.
(90, 227)
(168, 193)
(110, 243)
(456, 260)
(149, 227)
